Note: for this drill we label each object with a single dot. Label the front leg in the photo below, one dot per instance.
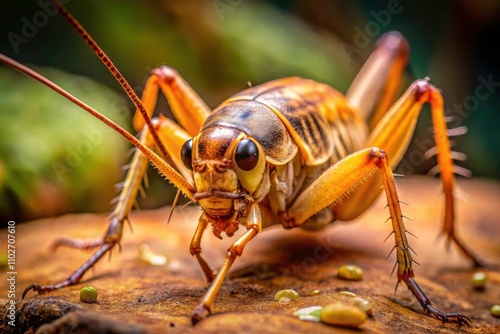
(195, 250)
(254, 226)
(334, 185)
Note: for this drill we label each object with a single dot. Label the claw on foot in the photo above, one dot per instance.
(31, 287)
(456, 318)
(199, 314)
(38, 288)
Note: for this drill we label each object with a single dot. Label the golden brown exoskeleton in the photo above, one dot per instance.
(292, 152)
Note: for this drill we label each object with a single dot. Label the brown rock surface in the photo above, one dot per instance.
(135, 297)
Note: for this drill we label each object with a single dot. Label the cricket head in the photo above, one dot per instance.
(229, 173)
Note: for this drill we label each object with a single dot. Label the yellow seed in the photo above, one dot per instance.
(339, 314)
(311, 313)
(363, 305)
(478, 280)
(350, 272)
(347, 293)
(495, 311)
(314, 293)
(282, 295)
(88, 294)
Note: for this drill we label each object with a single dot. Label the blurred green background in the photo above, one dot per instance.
(55, 159)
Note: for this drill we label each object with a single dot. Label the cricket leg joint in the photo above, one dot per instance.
(286, 221)
(166, 74)
(114, 232)
(237, 247)
(423, 87)
(379, 154)
(194, 250)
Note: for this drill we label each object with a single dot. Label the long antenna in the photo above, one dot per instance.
(114, 71)
(167, 170)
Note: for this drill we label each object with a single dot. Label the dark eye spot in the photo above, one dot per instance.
(246, 155)
(187, 154)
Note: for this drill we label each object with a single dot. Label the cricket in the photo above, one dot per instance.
(292, 151)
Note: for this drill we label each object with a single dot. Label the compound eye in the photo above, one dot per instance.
(187, 154)
(246, 155)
